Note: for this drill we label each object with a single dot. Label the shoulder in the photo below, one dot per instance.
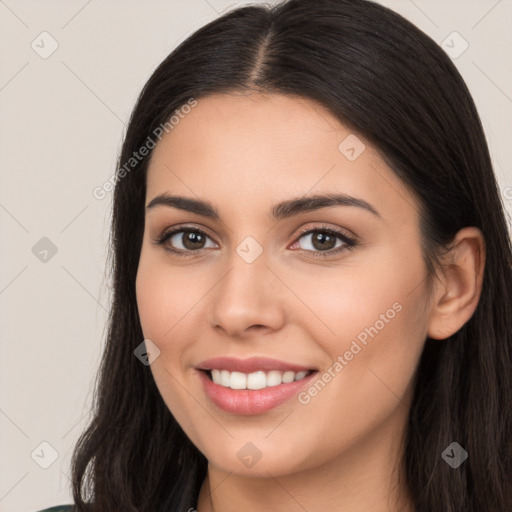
(60, 508)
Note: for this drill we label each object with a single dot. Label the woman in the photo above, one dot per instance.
(308, 236)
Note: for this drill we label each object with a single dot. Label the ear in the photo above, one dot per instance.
(460, 284)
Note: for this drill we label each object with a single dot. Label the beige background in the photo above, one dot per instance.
(62, 120)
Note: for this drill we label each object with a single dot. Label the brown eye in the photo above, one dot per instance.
(192, 240)
(182, 241)
(322, 241)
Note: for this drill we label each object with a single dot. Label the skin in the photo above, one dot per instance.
(340, 451)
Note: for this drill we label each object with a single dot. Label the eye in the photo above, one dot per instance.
(191, 240)
(322, 241)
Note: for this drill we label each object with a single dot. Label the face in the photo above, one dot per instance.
(336, 290)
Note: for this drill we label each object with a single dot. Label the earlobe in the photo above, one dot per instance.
(460, 285)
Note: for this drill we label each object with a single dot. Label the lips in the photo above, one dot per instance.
(251, 365)
(252, 396)
(248, 401)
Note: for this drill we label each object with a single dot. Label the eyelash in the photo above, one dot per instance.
(350, 243)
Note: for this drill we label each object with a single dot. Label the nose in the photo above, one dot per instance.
(248, 300)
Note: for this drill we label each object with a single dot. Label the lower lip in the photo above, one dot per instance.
(251, 401)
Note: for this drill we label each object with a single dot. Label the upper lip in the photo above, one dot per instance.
(250, 365)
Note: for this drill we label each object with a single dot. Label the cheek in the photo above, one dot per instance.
(164, 297)
(154, 299)
(170, 303)
(374, 291)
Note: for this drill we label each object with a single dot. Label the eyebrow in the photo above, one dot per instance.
(279, 211)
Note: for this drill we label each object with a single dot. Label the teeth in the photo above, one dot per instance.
(255, 380)
(274, 378)
(288, 377)
(238, 380)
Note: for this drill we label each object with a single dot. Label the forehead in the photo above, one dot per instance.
(258, 149)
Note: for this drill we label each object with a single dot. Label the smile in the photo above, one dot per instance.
(256, 380)
(252, 401)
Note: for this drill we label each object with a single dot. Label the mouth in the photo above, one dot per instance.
(252, 386)
(255, 380)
